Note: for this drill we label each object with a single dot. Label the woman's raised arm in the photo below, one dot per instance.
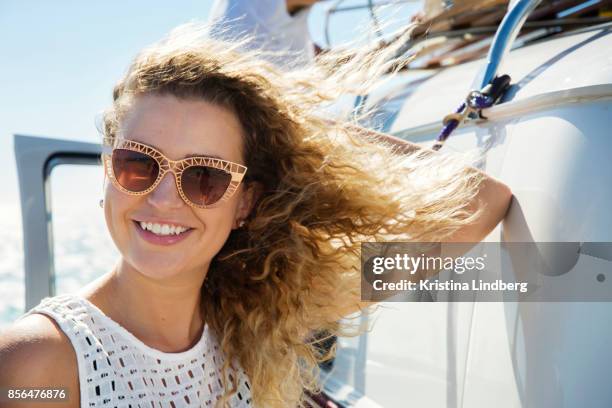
(494, 197)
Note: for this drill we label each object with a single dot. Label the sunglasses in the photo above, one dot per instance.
(136, 168)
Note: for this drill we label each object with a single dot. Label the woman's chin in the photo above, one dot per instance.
(156, 266)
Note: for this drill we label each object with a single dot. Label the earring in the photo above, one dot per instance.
(101, 203)
(241, 224)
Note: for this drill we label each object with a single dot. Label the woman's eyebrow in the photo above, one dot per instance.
(214, 156)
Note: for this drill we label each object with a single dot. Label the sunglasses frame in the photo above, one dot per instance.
(177, 167)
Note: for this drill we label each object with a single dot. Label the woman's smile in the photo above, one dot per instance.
(161, 234)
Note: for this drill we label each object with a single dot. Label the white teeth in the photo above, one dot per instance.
(162, 229)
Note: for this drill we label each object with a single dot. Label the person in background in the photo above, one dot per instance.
(274, 26)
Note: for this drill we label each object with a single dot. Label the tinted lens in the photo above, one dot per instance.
(135, 171)
(205, 185)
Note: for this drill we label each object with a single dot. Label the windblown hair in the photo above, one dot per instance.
(326, 187)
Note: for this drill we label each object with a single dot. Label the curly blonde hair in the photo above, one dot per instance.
(327, 187)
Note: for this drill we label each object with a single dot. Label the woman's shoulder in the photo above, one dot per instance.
(35, 352)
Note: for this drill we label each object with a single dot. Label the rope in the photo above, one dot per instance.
(472, 107)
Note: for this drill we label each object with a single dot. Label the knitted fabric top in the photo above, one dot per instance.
(116, 369)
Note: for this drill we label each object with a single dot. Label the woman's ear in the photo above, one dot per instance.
(249, 197)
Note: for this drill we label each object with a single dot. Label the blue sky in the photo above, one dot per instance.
(60, 59)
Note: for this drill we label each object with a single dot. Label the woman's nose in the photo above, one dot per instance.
(166, 194)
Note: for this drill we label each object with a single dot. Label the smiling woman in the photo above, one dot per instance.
(232, 259)
(193, 196)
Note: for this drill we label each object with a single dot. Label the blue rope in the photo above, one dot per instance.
(475, 102)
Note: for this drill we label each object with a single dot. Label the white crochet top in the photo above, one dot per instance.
(118, 370)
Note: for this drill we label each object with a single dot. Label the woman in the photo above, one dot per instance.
(238, 212)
